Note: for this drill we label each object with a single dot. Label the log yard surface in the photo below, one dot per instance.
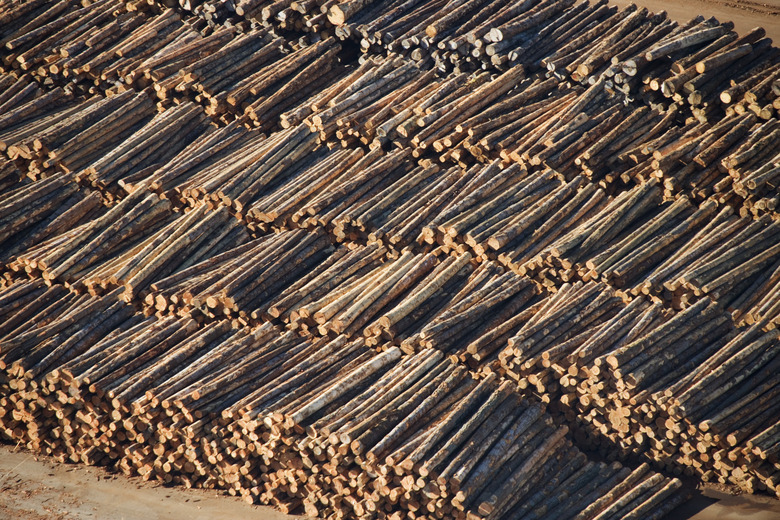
(389, 259)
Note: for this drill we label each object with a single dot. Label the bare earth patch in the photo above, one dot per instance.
(746, 14)
(34, 488)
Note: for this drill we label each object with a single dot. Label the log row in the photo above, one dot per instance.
(635, 51)
(33, 212)
(660, 245)
(366, 197)
(82, 252)
(53, 131)
(754, 169)
(327, 427)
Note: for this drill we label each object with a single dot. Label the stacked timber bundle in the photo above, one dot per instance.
(54, 131)
(232, 283)
(755, 168)
(110, 58)
(203, 156)
(756, 90)
(497, 128)
(438, 116)
(197, 236)
(513, 216)
(365, 98)
(158, 61)
(24, 120)
(33, 212)
(571, 41)
(621, 241)
(709, 63)
(52, 328)
(624, 256)
(253, 77)
(133, 159)
(250, 167)
(686, 157)
(17, 91)
(69, 35)
(536, 352)
(76, 254)
(357, 196)
(385, 301)
(731, 259)
(395, 214)
(730, 406)
(476, 322)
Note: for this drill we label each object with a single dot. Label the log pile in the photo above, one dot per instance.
(37, 211)
(754, 169)
(132, 160)
(195, 237)
(354, 106)
(257, 77)
(358, 196)
(78, 253)
(231, 282)
(387, 301)
(732, 260)
(55, 131)
(167, 400)
(536, 352)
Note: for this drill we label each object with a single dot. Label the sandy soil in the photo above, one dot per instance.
(33, 488)
(710, 504)
(746, 14)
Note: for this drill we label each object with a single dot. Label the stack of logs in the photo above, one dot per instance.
(589, 221)
(166, 399)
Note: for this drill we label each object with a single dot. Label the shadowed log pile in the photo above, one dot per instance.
(649, 383)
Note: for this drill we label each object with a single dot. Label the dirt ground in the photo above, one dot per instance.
(746, 14)
(34, 488)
